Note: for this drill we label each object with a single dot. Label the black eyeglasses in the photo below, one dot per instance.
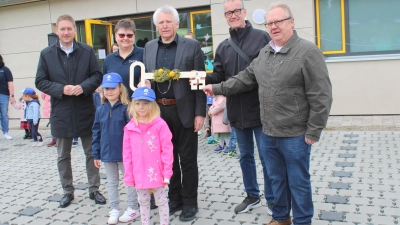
(228, 14)
(277, 23)
(127, 35)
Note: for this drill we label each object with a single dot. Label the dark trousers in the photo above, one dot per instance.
(64, 146)
(37, 137)
(185, 179)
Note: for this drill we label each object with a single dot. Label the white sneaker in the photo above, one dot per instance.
(35, 144)
(113, 216)
(269, 211)
(40, 144)
(7, 136)
(129, 215)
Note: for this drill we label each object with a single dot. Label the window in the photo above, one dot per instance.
(201, 25)
(358, 27)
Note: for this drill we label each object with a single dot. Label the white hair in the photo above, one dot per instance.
(168, 10)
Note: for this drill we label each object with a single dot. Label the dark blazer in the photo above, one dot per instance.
(189, 56)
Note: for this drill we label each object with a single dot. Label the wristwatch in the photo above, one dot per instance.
(12, 96)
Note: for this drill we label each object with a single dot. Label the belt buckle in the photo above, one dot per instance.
(163, 101)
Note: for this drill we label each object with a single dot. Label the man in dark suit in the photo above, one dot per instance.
(182, 108)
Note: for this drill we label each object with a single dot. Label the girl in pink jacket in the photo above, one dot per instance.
(221, 131)
(148, 154)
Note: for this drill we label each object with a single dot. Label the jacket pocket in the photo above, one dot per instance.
(291, 107)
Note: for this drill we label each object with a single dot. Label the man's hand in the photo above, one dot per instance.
(198, 123)
(208, 90)
(309, 141)
(68, 90)
(12, 100)
(97, 163)
(77, 90)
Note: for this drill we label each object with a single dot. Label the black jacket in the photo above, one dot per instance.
(71, 116)
(244, 108)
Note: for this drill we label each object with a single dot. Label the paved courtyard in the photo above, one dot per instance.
(355, 180)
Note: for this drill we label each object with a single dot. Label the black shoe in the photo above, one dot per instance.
(152, 202)
(29, 137)
(66, 200)
(98, 198)
(26, 136)
(174, 206)
(188, 212)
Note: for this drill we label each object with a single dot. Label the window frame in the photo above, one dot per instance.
(346, 45)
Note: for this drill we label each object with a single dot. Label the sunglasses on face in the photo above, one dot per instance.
(123, 35)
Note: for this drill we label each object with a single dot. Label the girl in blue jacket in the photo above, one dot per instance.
(32, 114)
(108, 130)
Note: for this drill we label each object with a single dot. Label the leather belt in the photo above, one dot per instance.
(165, 101)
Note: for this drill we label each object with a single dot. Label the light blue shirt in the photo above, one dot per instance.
(67, 50)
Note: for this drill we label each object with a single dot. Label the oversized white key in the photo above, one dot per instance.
(197, 75)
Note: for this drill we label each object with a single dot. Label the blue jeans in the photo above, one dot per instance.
(37, 137)
(232, 140)
(288, 163)
(4, 101)
(245, 140)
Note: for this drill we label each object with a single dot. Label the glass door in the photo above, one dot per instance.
(99, 35)
(201, 28)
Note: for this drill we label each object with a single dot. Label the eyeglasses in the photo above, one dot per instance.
(277, 23)
(127, 35)
(228, 14)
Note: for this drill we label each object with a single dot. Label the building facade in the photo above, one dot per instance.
(360, 38)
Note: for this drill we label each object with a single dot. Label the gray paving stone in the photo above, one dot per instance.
(341, 174)
(30, 211)
(245, 217)
(55, 198)
(332, 216)
(344, 164)
(351, 135)
(348, 148)
(339, 185)
(202, 221)
(336, 199)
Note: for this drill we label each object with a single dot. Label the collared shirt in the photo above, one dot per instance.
(67, 51)
(115, 63)
(166, 54)
(275, 47)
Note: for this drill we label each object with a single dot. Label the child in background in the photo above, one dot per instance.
(148, 154)
(46, 114)
(32, 115)
(110, 120)
(24, 124)
(221, 131)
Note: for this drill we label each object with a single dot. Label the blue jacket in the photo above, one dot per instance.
(108, 131)
(32, 110)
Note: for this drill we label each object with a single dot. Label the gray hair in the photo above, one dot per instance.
(225, 1)
(280, 5)
(167, 9)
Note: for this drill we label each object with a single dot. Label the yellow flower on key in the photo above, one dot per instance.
(171, 74)
(160, 71)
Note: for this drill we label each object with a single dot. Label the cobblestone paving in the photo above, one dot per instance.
(355, 180)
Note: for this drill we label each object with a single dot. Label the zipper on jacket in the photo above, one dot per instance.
(297, 106)
(110, 113)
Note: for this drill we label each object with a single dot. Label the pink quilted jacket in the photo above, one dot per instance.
(46, 105)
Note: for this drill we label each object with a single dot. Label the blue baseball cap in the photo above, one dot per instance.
(29, 91)
(111, 80)
(144, 93)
